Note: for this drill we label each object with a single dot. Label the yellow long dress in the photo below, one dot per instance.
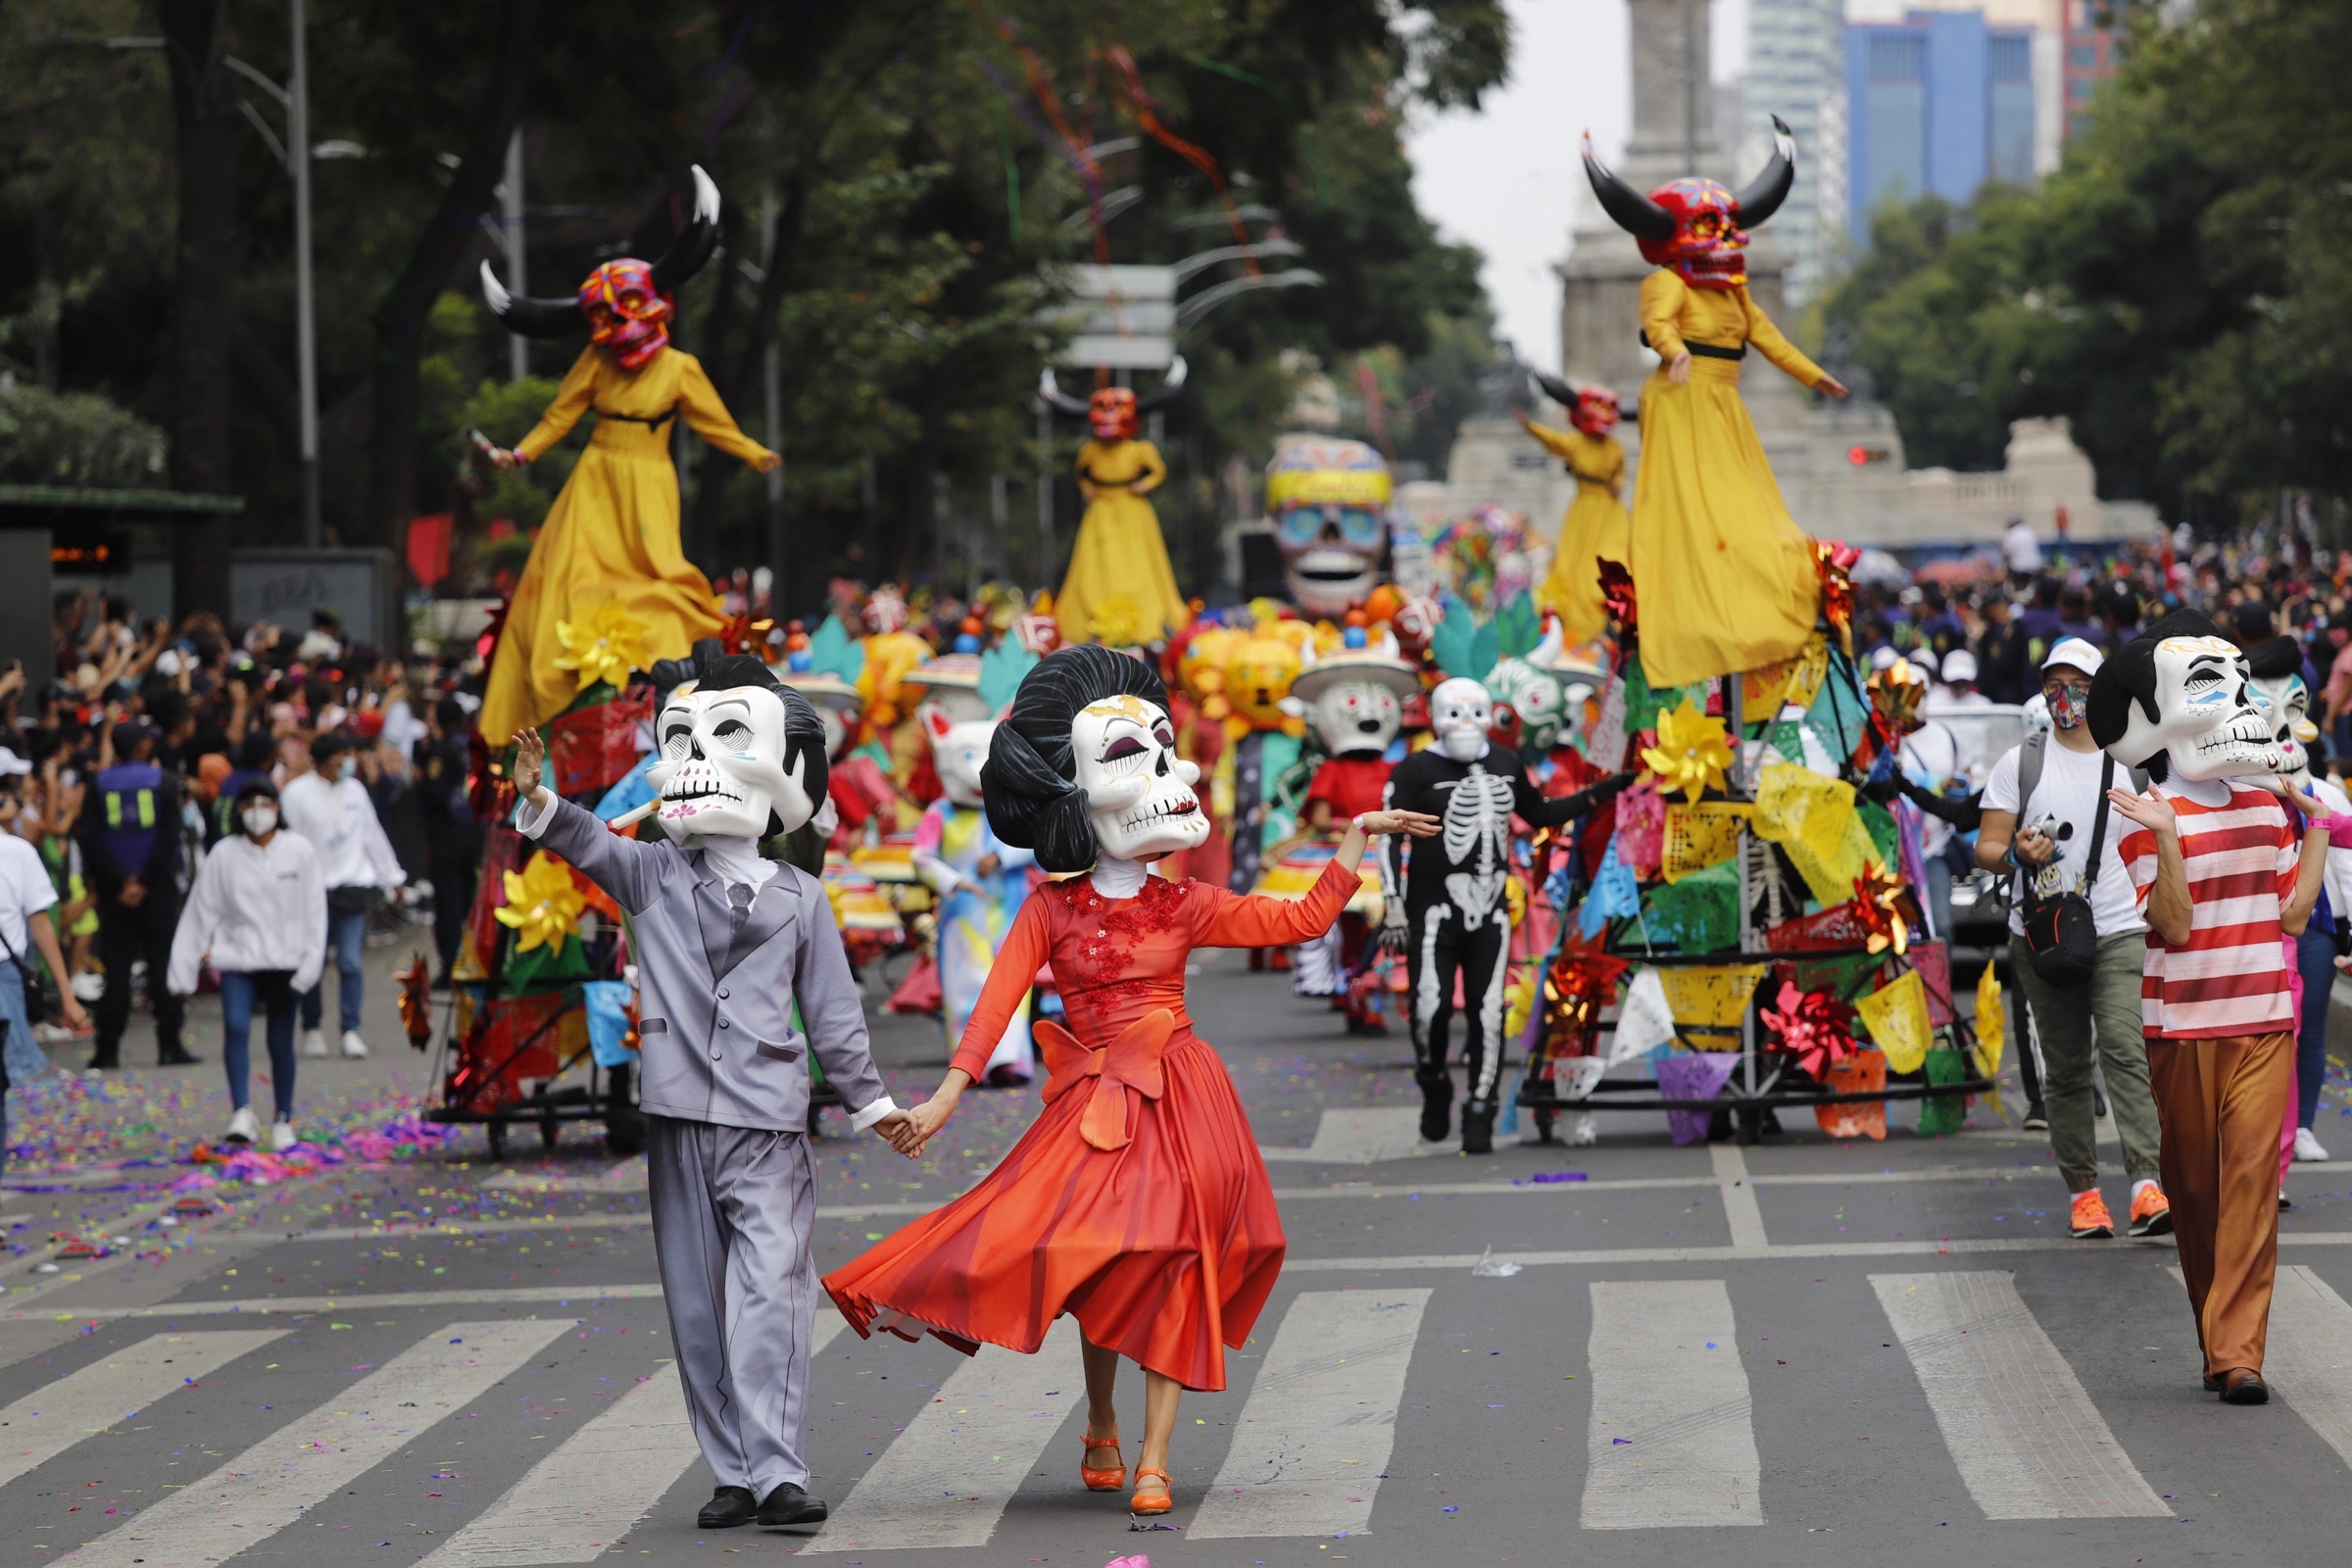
(612, 533)
(1120, 587)
(1724, 577)
(1595, 529)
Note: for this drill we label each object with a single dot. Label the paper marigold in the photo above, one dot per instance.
(604, 647)
(1691, 754)
(542, 904)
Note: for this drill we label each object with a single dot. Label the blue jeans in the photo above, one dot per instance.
(344, 938)
(2315, 956)
(21, 1052)
(238, 994)
(1939, 897)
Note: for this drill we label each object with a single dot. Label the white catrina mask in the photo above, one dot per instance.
(1139, 792)
(2286, 703)
(1356, 715)
(1536, 695)
(721, 772)
(1460, 712)
(2207, 724)
(959, 749)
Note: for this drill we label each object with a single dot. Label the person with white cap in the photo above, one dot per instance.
(2046, 819)
(1958, 688)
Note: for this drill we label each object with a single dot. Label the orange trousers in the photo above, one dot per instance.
(2219, 1102)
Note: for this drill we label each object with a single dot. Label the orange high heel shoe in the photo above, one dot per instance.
(1141, 1504)
(1101, 1480)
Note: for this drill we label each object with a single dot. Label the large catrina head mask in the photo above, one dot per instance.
(2285, 698)
(959, 751)
(741, 756)
(2178, 702)
(1139, 793)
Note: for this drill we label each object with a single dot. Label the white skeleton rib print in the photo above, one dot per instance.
(1476, 835)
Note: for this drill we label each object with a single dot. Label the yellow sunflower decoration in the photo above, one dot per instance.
(604, 647)
(1691, 754)
(543, 906)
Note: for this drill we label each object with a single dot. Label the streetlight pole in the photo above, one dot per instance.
(305, 314)
(518, 350)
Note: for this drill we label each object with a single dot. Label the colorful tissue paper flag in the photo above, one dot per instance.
(607, 1004)
(1645, 1021)
(1993, 1036)
(1703, 834)
(1642, 829)
(1701, 913)
(1694, 1077)
(1945, 1113)
(1863, 1072)
(1840, 715)
(1897, 1017)
(1573, 1077)
(1711, 997)
(1614, 896)
(1604, 747)
(1934, 961)
(1813, 819)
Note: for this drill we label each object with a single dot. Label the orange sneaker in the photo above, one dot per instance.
(2151, 1212)
(2091, 1221)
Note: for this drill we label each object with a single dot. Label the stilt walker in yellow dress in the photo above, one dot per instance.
(1120, 588)
(1727, 579)
(612, 533)
(1596, 527)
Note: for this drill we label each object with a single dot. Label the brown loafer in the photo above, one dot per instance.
(2244, 1385)
(2213, 1383)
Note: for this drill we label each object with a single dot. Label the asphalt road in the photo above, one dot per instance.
(1800, 1353)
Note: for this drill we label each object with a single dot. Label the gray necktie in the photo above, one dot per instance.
(741, 898)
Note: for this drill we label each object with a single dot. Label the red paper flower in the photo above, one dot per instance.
(1886, 909)
(1580, 981)
(1617, 596)
(1815, 1027)
(743, 635)
(1835, 561)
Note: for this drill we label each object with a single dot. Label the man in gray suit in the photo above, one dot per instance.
(725, 943)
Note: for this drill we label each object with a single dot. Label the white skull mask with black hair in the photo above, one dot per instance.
(1460, 712)
(728, 768)
(1139, 792)
(2286, 702)
(2207, 724)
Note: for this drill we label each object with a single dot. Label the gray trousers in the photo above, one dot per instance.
(732, 1212)
(2102, 1015)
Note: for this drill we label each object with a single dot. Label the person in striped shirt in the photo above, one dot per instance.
(2225, 874)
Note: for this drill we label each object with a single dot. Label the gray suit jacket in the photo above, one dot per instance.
(714, 1014)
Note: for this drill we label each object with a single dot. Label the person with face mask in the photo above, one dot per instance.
(1445, 904)
(1138, 1203)
(331, 808)
(257, 914)
(2042, 809)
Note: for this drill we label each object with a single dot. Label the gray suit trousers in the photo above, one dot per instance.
(733, 1208)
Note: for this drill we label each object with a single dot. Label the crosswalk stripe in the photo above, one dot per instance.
(597, 1484)
(54, 1417)
(1672, 1439)
(1321, 1418)
(980, 1437)
(2029, 1443)
(1362, 1135)
(2310, 1355)
(308, 1460)
(1740, 1211)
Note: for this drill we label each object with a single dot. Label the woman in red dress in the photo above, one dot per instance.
(1137, 1202)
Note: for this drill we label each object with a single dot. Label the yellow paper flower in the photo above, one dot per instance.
(604, 647)
(1692, 753)
(542, 904)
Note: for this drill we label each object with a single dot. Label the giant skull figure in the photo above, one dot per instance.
(1139, 792)
(1695, 227)
(2282, 694)
(742, 754)
(2178, 702)
(1330, 504)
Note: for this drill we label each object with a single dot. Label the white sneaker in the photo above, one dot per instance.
(313, 1043)
(243, 1127)
(353, 1046)
(2307, 1148)
(88, 986)
(1583, 1131)
(281, 1137)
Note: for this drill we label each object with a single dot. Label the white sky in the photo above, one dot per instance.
(1506, 178)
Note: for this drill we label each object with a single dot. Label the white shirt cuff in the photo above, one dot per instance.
(861, 1120)
(528, 826)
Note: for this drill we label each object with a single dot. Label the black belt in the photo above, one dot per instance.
(1705, 351)
(650, 421)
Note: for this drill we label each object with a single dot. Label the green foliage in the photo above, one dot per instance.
(76, 438)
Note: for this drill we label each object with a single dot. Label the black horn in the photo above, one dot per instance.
(1554, 388)
(1161, 396)
(1632, 211)
(1761, 197)
(694, 245)
(529, 318)
(1061, 402)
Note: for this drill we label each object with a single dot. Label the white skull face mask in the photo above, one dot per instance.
(1356, 715)
(2207, 724)
(1139, 792)
(721, 772)
(837, 731)
(2286, 703)
(958, 749)
(1460, 712)
(1535, 695)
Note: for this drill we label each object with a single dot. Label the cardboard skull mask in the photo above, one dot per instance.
(1139, 792)
(1460, 712)
(1536, 695)
(959, 751)
(741, 755)
(2283, 697)
(2178, 701)
(1358, 714)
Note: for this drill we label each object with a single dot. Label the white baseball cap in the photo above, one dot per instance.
(2076, 652)
(1958, 666)
(12, 766)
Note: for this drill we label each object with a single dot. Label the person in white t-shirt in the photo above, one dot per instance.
(329, 806)
(2049, 838)
(25, 896)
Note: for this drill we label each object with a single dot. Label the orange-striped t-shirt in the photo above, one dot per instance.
(2229, 978)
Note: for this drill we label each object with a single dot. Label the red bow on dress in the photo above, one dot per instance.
(1131, 1062)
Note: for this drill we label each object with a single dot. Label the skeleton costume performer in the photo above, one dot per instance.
(1727, 580)
(1596, 527)
(727, 944)
(1446, 902)
(612, 535)
(981, 881)
(1120, 587)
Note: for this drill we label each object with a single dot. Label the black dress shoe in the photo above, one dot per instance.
(175, 1057)
(789, 1504)
(1478, 1129)
(728, 1508)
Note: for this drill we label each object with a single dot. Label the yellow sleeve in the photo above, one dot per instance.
(1773, 346)
(1661, 312)
(1149, 468)
(707, 416)
(1556, 442)
(571, 401)
(1607, 460)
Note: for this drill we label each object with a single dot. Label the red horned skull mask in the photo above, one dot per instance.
(1695, 227)
(1596, 412)
(1113, 415)
(628, 317)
